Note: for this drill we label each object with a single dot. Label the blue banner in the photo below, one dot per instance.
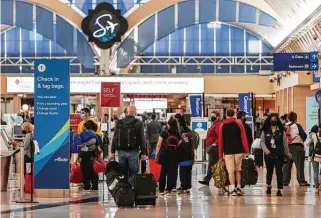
(296, 61)
(316, 76)
(196, 105)
(52, 110)
(245, 103)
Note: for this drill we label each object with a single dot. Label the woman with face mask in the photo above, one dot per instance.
(273, 142)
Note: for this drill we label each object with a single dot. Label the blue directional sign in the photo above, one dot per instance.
(316, 76)
(296, 61)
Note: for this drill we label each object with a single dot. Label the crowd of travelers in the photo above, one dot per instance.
(282, 140)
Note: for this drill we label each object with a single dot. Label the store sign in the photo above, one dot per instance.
(75, 119)
(245, 103)
(104, 25)
(129, 85)
(110, 94)
(52, 126)
(196, 105)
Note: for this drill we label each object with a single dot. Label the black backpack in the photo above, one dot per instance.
(126, 135)
(317, 147)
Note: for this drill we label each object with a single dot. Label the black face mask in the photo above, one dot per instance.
(274, 123)
(213, 119)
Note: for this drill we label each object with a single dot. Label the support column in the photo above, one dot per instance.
(104, 62)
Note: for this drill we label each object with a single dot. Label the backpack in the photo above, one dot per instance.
(220, 174)
(195, 139)
(250, 174)
(75, 143)
(302, 134)
(126, 135)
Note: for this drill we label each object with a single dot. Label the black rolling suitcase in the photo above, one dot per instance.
(145, 189)
(118, 186)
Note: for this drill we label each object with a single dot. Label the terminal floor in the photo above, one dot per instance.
(203, 202)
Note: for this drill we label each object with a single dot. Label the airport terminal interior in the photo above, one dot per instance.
(160, 108)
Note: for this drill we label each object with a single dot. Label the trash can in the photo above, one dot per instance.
(5, 167)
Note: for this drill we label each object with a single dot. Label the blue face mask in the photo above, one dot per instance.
(83, 116)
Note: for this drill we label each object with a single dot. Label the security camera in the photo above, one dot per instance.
(309, 73)
(315, 37)
(271, 79)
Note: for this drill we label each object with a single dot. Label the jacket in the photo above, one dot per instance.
(281, 147)
(153, 130)
(88, 139)
(213, 133)
(232, 138)
(141, 142)
(185, 152)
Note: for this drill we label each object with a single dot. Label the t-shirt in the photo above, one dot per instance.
(81, 125)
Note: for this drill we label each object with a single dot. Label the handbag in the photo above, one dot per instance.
(99, 165)
(76, 175)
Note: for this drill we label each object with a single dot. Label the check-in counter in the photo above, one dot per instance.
(5, 167)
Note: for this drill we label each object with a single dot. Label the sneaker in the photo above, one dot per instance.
(279, 193)
(204, 183)
(161, 193)
(269, 190)
(179, 189)
(234, 193)
(174, 190)
(239, 192)
(187, 192)
(168, 194)
(305, 184)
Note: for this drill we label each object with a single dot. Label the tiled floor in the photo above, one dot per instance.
(203, 202)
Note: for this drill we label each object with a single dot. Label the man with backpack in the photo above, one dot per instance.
(296, 137)
(128, 140)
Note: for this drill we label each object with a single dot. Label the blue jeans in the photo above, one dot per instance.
(129, 161)
(316, 173)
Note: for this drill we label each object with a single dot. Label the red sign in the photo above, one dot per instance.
(110, 94)
(74, 122)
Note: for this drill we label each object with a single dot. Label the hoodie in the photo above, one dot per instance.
(232, 138)
(141, 142)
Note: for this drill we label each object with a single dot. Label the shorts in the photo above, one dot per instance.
(233, 162)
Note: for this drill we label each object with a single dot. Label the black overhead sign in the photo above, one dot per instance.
(104, 25)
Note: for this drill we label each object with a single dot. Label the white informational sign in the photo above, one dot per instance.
(129, 85)
(200, 125)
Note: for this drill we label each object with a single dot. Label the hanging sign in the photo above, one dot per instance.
(110, 94)
(104, 25)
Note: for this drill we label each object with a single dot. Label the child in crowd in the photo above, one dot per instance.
(185, 155)
(89, 141)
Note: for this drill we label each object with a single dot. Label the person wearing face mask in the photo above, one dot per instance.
(274, 144)
(241, 115)
(211, 146)
(85, 116)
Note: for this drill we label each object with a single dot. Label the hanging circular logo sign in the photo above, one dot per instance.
(104, 25)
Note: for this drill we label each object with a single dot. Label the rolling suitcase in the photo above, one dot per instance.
(145, 189)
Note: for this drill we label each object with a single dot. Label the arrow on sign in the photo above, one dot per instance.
(314, 66)
(314, 56)
(306, 57)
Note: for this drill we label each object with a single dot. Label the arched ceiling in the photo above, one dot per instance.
(288, 13)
